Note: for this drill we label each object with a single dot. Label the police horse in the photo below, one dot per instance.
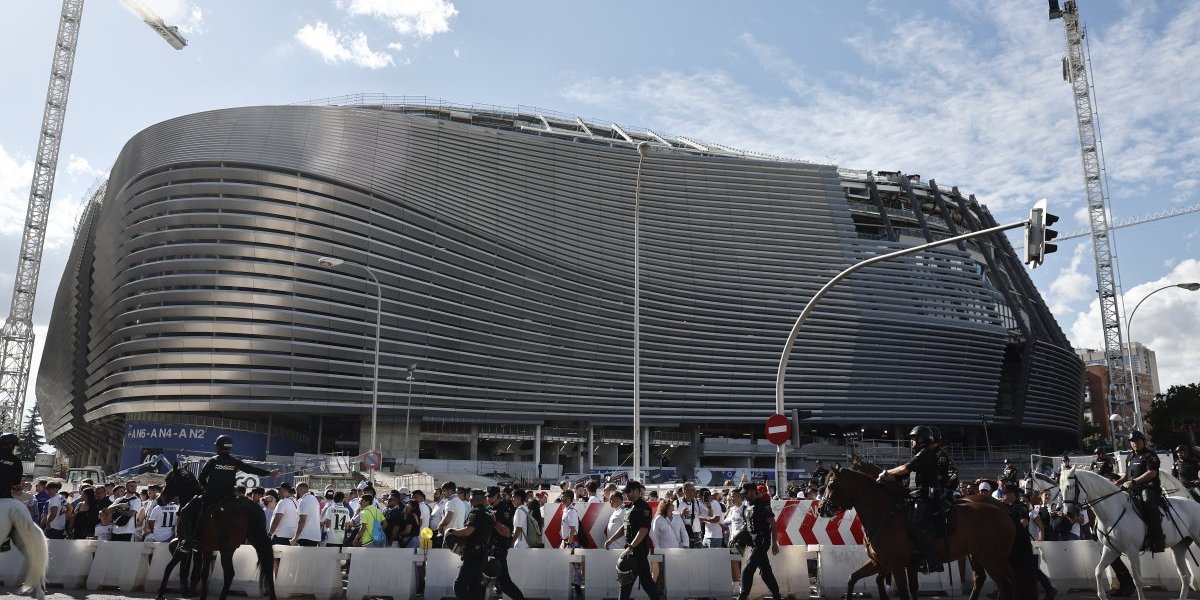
(237, 521)
(1121, 530)
(15, 521)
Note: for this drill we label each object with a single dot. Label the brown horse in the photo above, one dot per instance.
(239, 521)
(984, 531)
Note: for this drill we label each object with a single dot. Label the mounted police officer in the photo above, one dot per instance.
(819, 475)
(1187, 469)
(1141, 479)
(219, 477)
(502, 539)
(1103, 465)
(1009, 474)
(925, 515)
(476, 535)
(947, 473)
(11, 471)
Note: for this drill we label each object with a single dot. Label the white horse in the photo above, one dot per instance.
(1121, 531)
(29, 539)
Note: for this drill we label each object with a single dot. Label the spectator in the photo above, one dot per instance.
(616, 520)
(269, 501)
(424, 512)
(568, 530)
(55, 518)
(394, 513)
(335, 519)
(257, 494)
(105, 527)
(160, 525)
(593, 490)
(454, 511)
(408, 530)
(87, 515)
(124, 512)
(735, 522)
(308, 523)
(667, 530)
(368, 516)
(608, 491)
(27, 498)
(688, 508)
(543, 497)
(287, 517)
(520, 519)
(41, 496)
(239, 491)
(103, 498)
(710, 516)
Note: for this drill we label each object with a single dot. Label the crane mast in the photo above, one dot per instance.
(1075, 70)
(17, 335)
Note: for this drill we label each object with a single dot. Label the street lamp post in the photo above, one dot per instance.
(643, 149)
(1137, 401)
(1114, 421)
(329, 262)
(412, 371)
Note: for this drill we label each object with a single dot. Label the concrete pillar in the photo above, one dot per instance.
(645, 447)
(537, 445)
(474, 442)
(591, 462)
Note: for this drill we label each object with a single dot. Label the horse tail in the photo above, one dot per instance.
(1024, 565)
(256, 523)
(30, 540)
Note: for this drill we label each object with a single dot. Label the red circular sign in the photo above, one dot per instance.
(779, 429)
(372, 460)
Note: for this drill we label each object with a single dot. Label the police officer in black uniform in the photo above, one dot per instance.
(218, 477)
(1009, 474)
(636, 556)
(1103, 465)
(760, 523)
(925, 508)
(947, 473)
(1141, 479)
(502, 539)
(476, 534)
(1020, 515)
(1187, 469)
(819, 474)
(11, 471)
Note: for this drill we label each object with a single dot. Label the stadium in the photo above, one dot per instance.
(502, 243)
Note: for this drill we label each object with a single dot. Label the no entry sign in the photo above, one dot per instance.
(779, 429)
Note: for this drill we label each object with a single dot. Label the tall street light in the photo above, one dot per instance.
(412, 372)
(1137, 401)
(643, 149)
(329, 262)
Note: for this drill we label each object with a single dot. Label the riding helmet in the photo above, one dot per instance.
(1137, 435)
(224, 444)
(9, 440)
(1183, 450)
(922, 432)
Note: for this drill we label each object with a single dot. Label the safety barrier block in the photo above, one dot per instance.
(834, 566)
(70, 562)
(600, 567)
(158, 565)
(381, 572)
(12, 568)
(544, 573)
(441, 569)
(245, 573)
(122, 565)
(308, 570)
(791, 571)
(1159, 570)
(1070, 565)
(697, 572)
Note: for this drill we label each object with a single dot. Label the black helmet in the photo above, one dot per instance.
(1183, 449)
(224, 443)
(922, 432)
(9, 440)
(1137, 435)
(1101, 450)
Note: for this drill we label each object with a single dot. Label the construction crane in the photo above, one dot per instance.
(1138, 220)
(1076, 69)
(16, 338)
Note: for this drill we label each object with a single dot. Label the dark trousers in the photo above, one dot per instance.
(641, 572)
(504, 581)
(469, 585)
(303, 542)
(281, 541)
(58, 534)
(1149, 500)
(1042, 579)
(760, 560)
(122, 537)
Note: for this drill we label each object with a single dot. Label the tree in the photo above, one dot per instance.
(1172, 413)
(31, 436)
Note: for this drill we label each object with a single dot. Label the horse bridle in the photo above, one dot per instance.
(1086, 503)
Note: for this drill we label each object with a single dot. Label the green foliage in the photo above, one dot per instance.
(31, 436)
(1171, 412)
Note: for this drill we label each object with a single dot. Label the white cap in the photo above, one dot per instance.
(405, 491)
(985, 487)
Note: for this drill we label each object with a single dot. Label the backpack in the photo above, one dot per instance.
(378, 537)
(533, 530)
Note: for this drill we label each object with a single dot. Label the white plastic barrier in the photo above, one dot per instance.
(122, 565)
(791, 571)
(544, 573)
(245, 573)
(600, 566)
(441, 569)
(1070, 565)
(834, 566)
(158, 565)
(382, 572)
(696, 572)
(12, 568)
(308, 570)
(70, 562)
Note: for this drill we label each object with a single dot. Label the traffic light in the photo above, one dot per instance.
(1038, 234)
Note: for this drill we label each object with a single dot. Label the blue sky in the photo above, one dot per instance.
(969, 93)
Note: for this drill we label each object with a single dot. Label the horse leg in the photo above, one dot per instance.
(1135, 571)
(1107, 556)
(226, 571)
(881, 583)
(1185, 576)
(978, 578)
(913, 581)
(207, 561)
(162, 586)
(868, 569)
(900, 580)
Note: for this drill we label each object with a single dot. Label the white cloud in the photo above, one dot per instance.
(423, 18)
(397, 46)
(1073, 283)
(78, 166)
(14, 191)
(335, 47)
(1168, 324)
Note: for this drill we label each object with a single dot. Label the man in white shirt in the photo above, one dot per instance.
(425, 513)
(710, 514)
(687, 508)
(55, 519)
(593, 488)
(335, 518)
(125, 506)
(308, 523)
(454, 513)
(286, 519)
(568, 528)
(616, 521)
(160, 525)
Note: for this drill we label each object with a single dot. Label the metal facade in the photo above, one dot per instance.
(505, 259)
